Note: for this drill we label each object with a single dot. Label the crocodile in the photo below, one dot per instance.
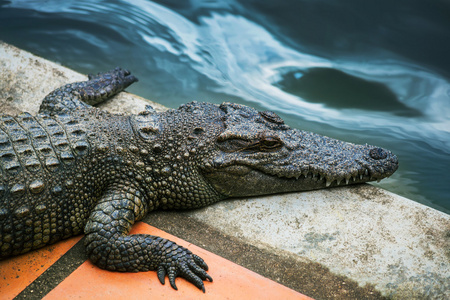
(74, 169)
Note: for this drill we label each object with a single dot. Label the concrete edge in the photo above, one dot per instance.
(363, 233)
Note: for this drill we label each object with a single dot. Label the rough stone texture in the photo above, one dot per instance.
(369, 235)
(364, 233)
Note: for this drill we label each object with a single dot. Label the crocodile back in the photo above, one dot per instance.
(41, 201)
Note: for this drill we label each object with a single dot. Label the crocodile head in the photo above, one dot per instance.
(256, 153)
(205, 153)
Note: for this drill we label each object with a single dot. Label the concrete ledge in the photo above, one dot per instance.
(362, 233)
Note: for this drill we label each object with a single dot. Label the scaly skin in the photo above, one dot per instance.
(74, 168)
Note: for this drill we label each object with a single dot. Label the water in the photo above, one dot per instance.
(375, 72)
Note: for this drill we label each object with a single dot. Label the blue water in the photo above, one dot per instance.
(375, 72)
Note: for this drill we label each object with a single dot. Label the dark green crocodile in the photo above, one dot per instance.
(75, 169)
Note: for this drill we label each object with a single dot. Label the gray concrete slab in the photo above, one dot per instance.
(363, 233)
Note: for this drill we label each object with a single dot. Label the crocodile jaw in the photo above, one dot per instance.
(242, 181)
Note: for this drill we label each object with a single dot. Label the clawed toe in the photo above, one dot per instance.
(190, 267)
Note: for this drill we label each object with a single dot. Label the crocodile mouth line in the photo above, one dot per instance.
(358, 176)
(317, 176)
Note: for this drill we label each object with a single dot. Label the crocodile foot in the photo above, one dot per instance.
(178, 261)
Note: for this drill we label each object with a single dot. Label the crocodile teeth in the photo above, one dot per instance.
(360, 176)
(338, 181)
(346, 180)
(366, 172)
(328, 183)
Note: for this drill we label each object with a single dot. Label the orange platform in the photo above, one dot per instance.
(231, 281)
(18, 272)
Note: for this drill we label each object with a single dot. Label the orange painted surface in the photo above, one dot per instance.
(231, 281)
(17, 273)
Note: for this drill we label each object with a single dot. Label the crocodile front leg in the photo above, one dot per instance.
(110, 247)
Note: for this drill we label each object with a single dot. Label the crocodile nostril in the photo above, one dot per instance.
(378, 153)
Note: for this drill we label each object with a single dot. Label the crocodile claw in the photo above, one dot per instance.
(186, 265)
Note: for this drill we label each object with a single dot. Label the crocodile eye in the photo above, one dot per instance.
(270, 144)
(265, 144)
